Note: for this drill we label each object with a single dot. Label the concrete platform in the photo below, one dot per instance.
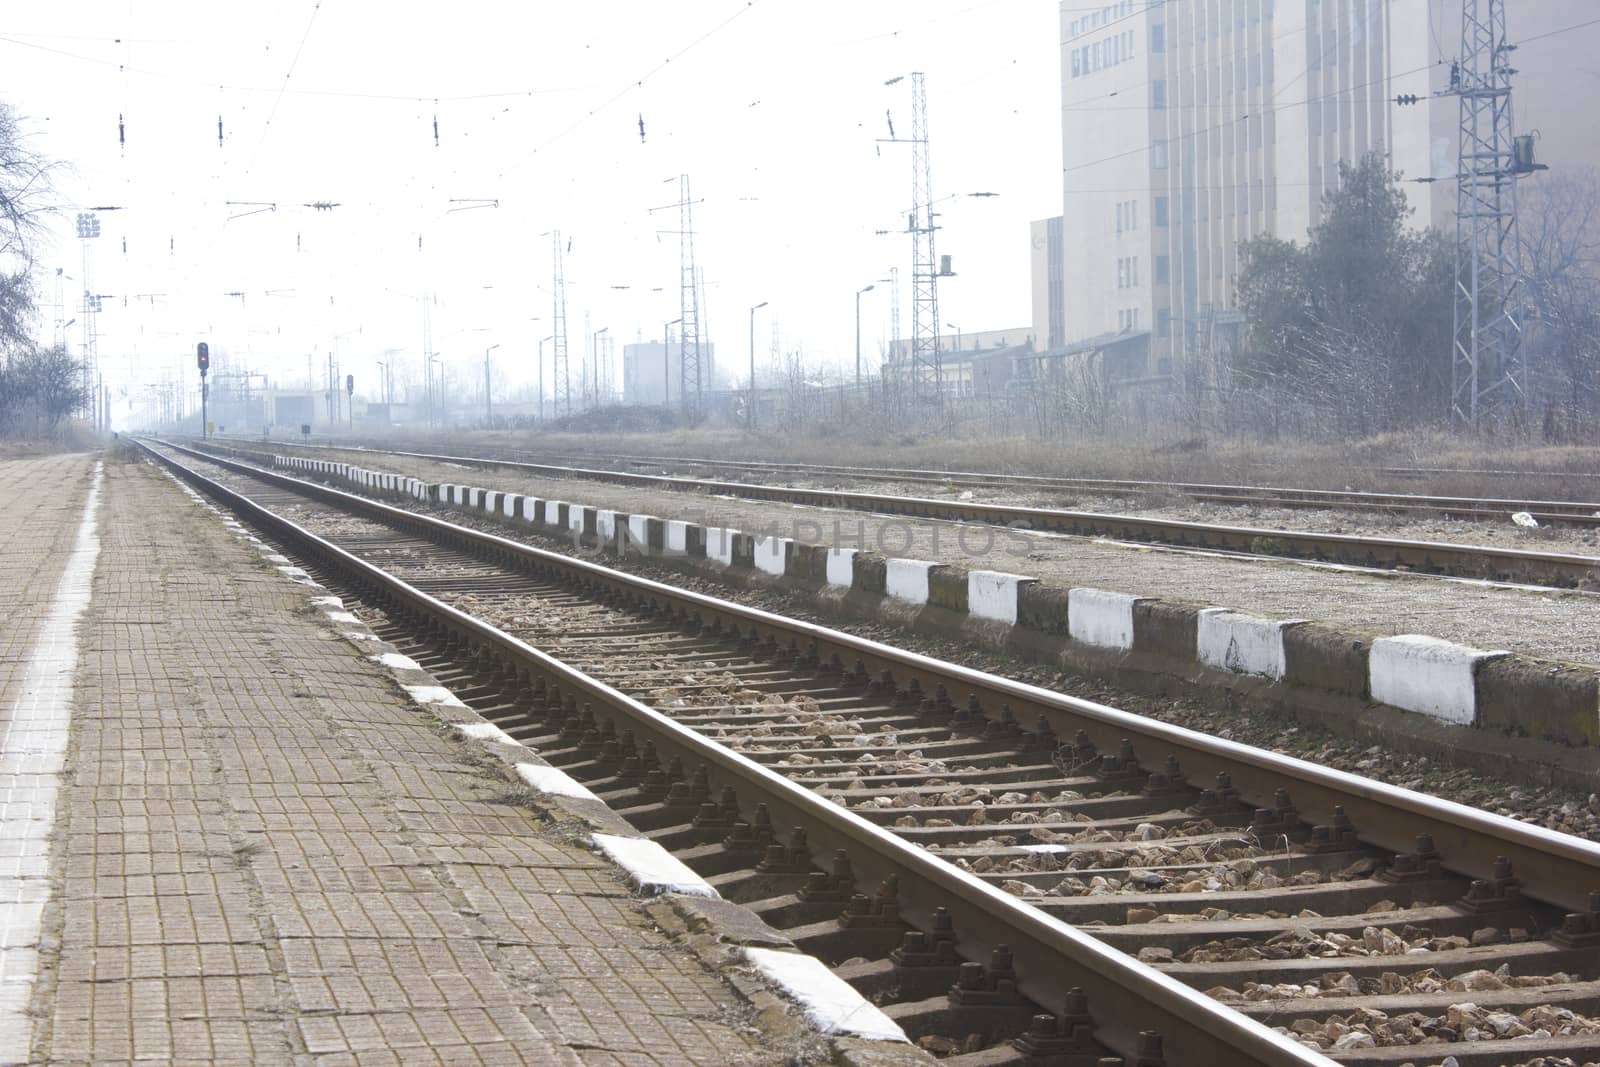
(1547, 624)
(261, 853)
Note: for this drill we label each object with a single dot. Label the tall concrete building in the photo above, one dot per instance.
(1190, 126)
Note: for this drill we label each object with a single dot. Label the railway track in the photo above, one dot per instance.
(970, 849)
(1499, 509)
(1427, 557)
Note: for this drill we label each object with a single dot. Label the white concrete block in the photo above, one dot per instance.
(552, 513)
(532, 508)
(1243, 644)
(491, 501)
(508, 506)
(842, 567)
(575, 517)
(1427, 675)
(675, 538)
(605, 525)
(474, 497)
(639, 534)
(1101, 618)
(771, 555)
(907, 579)
(719, 544)
(993, 594)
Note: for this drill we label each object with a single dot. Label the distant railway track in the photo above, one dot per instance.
(1427, 557)
(1574, 513)
(967, 848)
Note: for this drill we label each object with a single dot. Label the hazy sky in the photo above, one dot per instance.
(773, 107)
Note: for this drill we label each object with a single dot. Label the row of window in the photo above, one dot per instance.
(1104, 17)
(1219, 16)
(1127, 272)
(1127, 215)
(1116, 49)
(1127, 319)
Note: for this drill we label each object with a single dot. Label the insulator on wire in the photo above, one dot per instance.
(122, 133)
(219, 131)
(436, 131)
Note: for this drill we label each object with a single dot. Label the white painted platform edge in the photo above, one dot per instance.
(830, 1003)
(907, 579)
(842, 567)
(652, 868)
(675, 538)
(771, 555)
(993, 594)
(1243, 644)
(719, 544)
(397, 661)
(433, 694)
(1101, 618)
(553, 780)
(1427, 675)
(485, 731)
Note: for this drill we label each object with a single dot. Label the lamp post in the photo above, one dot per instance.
(750, 412)
(666, 361)
(542, 340)
(436, 391)
(383, 381)
(488, 413)
(957, 329)
(595, 362)
(868, 289)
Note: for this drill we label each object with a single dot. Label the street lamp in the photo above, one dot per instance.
(383, 381)
(436, 391)
(957, 329)
(868, 289)
(488, 414)
(542, 340)
(666, 361)
(750, 412)
(595, 362)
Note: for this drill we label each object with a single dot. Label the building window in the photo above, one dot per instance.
(1158, 155)
(1163, 270)
(1133, 272)
(1161, 210)
(1158, 37)
(1133, 214)
(1076, 63)
(1158, 94)
(1163, 322)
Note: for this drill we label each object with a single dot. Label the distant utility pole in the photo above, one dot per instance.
(691, 383)
(561, 380)
(927, 370)
(1487, 370)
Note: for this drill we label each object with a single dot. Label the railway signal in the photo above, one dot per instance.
(202, 359)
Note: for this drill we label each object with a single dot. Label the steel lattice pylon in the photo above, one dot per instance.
(927, 371)
(561, 377)
(691, 384)
(1486, 359)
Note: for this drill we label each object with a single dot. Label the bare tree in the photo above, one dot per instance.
(1559, 219)
(26, 199)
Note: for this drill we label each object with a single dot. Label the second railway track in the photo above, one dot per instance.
(1560, 569)
(1357, 916)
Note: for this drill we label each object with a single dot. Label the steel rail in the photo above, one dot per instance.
(1441, 557)
(1050, 956)
(1554, 867)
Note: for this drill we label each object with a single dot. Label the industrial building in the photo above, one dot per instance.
(1188, 128)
